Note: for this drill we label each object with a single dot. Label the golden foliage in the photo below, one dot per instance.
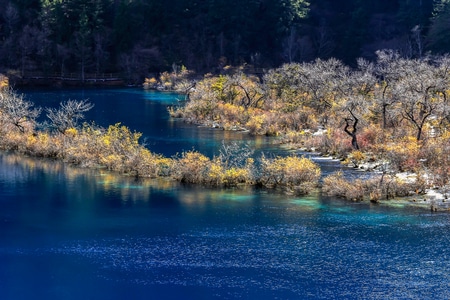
(150, 83)
(255, 124)
(337, 185)
(375, 188)
(4, 82)
(72, 132)
(192, 167)
(293, 172)
(356, 157)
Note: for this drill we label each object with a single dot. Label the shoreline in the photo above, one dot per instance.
(433, 200)
(63, 82)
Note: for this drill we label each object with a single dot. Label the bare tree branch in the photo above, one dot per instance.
(16, 110)
(68, 114)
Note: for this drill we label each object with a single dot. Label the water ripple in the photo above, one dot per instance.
(281, 260)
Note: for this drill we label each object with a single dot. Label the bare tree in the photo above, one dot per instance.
(62, 54)
(422, 92)
(389, 69)
(324, 81)
(101, 55)
(323, 41)
(315, 85)
(68, 114)
(353, 124)
(417, 39)
(251, 88)
(16, 110)
(234, 154)
(355, 92)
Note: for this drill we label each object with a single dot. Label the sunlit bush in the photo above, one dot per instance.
(370, 136)
(191, 167)
(355, 158)
(144, 163)
(4, 81)
(376, 188)
(12, 140)
(231, 116)
(42, 144)
(216, 172)
(337, 185)
(150, 83)
(235, 176)
(402, 154)
(299, 174)
(332, 142)
(256, 124)
(219, 175)
(83, 148)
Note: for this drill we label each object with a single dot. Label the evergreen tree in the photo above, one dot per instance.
(438, 39)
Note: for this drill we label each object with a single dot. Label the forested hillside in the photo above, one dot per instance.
(138, 37)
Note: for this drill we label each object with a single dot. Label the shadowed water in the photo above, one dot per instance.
(69, 233)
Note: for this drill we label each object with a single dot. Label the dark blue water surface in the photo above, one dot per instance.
(145, 111)
(70, 233)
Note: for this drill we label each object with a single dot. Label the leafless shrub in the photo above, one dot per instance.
(14, 109)
(68, 114)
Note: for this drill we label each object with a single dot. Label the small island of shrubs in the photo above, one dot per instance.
(118, 149)
(390, 116)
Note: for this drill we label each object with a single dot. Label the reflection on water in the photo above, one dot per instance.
(18, 170)
(64, 228)
(71, 233)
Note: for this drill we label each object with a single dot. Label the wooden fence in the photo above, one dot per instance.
(73, 76)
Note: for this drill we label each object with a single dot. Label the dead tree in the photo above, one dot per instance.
(352, 124)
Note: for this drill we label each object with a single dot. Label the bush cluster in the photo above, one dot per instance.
(117, 148)
(297, 174)
(393, 111)
(376, 188)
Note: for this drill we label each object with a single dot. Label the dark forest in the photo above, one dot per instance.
(139, 37)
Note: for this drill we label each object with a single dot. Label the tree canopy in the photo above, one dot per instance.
(140, 37)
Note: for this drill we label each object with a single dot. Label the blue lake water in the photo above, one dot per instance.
(70, 233)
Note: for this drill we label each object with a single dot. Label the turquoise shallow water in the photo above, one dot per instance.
(69, 233)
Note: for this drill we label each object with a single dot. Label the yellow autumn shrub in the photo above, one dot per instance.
(403, 154)
(297, 173)
(255, 124)
(234, 176)
(216, 172)
(4, 82)
(192, 167)
(338, 186)
(148, 164)
(355, 158)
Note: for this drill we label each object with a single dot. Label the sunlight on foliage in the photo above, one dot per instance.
(297, 173)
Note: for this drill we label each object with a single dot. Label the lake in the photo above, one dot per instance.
(71, 233)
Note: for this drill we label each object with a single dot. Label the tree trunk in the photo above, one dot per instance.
(353, 132)
(419, 133)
